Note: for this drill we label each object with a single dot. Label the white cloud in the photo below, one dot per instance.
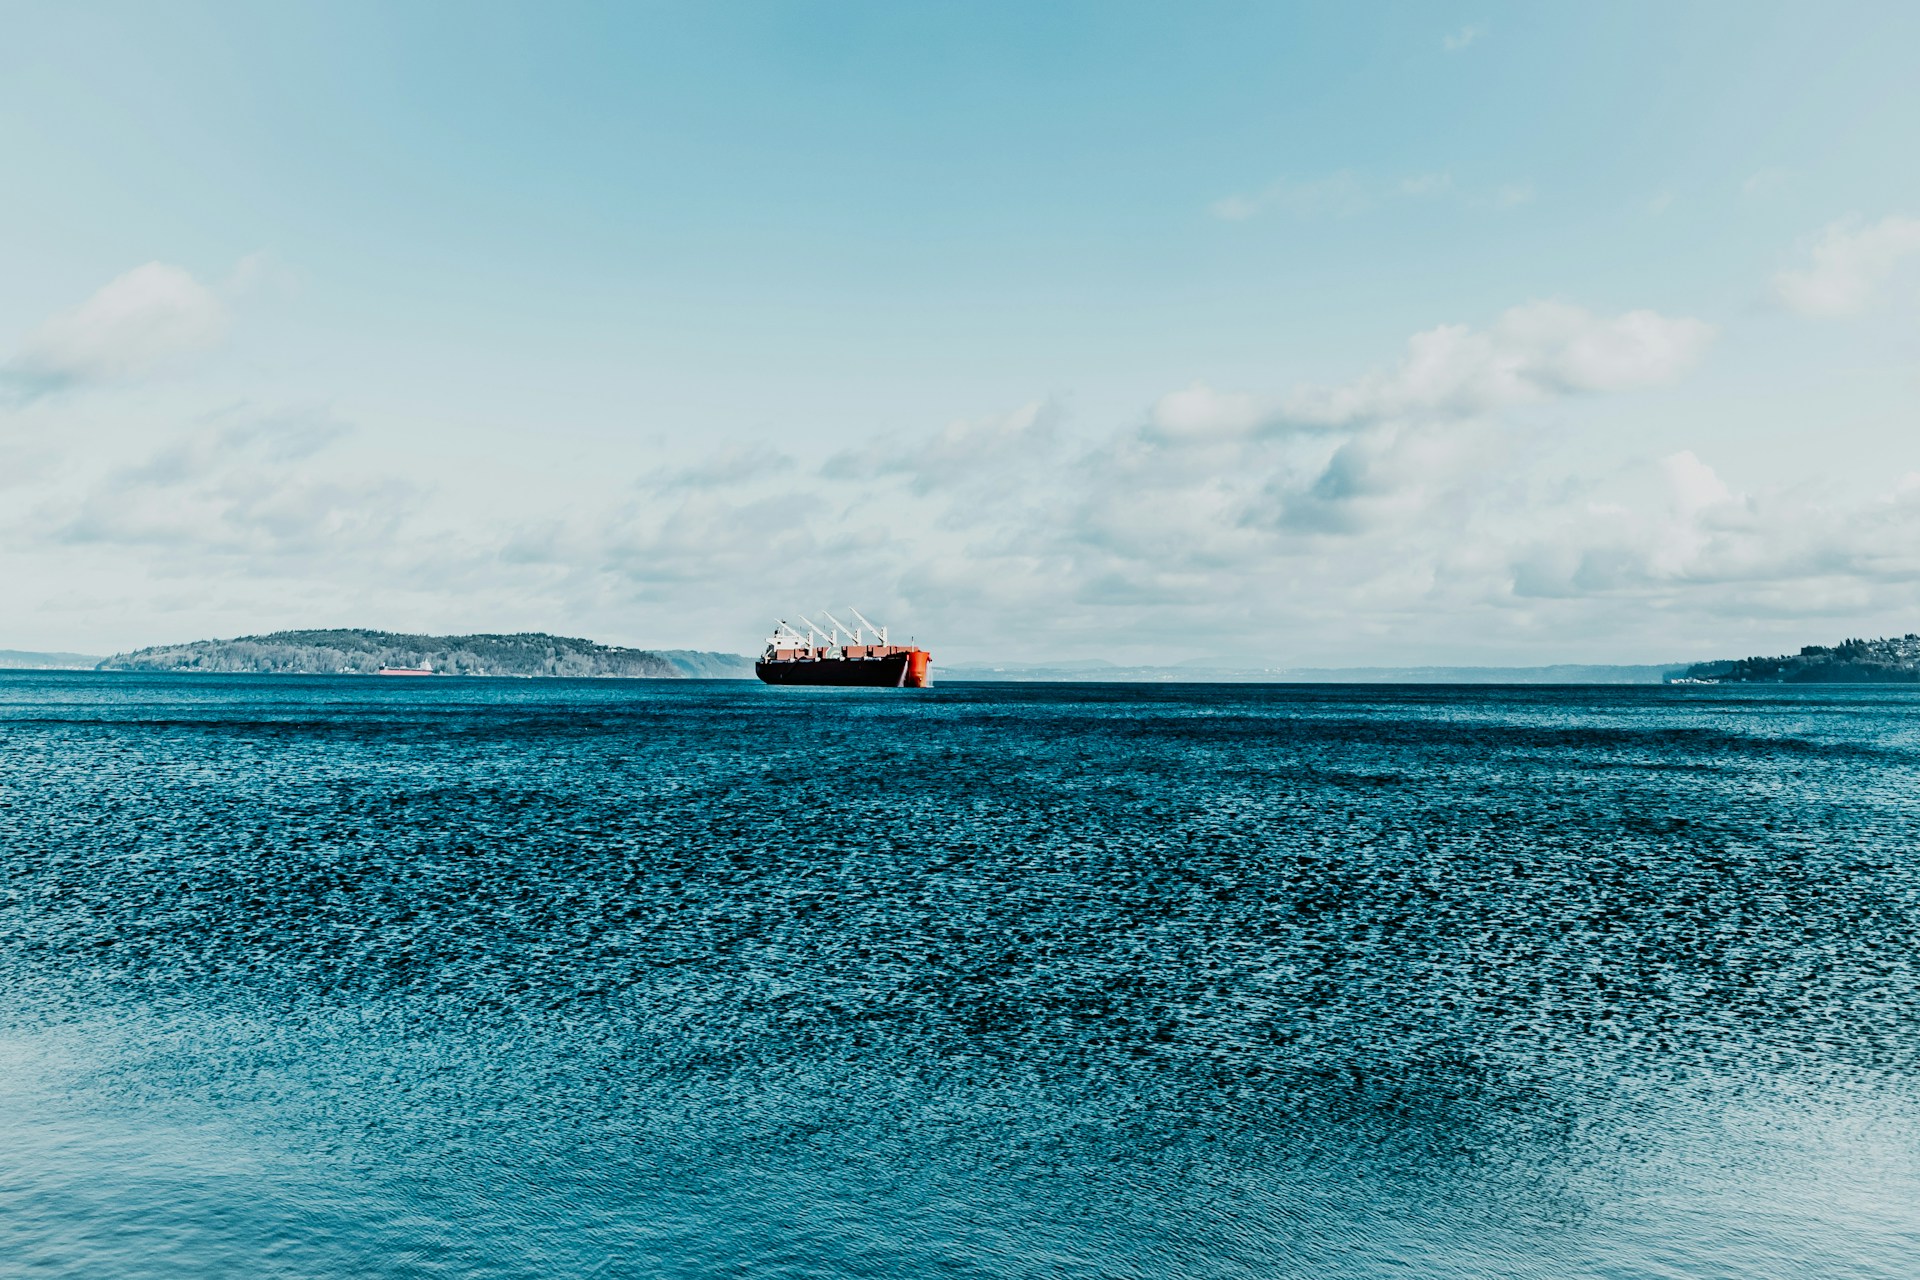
(1374, 480)
(1676, 537)
(963, 450)
(1850, 261)
(250, 487)
(1234, 208)
(1531, 353)
(1337, 195)
(1412, 514)
(769, 541)
(1426, 184)
(1366, 496)
(1346, 194)
(132, 326)
(728, 465)
(1199, 411)
(1455, 41)
(1398, 540)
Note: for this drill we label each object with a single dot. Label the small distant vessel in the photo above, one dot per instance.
(820, 655)
(424, 669)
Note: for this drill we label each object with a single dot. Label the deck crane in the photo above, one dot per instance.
(813, 629)
(839, 626)
(879, 631)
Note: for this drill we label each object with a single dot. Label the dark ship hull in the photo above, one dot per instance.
(906, 669)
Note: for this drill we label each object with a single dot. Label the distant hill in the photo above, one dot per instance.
(1894, 660)
(352, 651)
(701, 664)
(25, 660)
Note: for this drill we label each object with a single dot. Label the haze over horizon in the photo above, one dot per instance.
(1425, 336)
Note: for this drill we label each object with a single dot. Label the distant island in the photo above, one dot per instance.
(353, 651)
(1894, 660)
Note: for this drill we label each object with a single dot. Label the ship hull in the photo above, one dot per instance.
(906, 670)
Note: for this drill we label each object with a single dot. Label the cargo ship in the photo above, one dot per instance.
(841, 655)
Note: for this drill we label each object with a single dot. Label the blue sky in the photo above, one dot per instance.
(1298, 335)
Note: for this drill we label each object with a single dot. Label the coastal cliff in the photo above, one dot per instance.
(354, 651)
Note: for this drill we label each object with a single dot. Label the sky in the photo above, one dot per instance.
(1255, 334)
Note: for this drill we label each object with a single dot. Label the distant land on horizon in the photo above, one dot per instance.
(1890, 660)
(1201, 673)
(352, 650)
(451, 655)
(357, 651)
(28, 660)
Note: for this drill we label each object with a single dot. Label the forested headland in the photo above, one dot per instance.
(354, 651)
(1892, 660)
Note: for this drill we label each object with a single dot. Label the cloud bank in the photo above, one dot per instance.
(132, 326)
(1532, 353)
(1850, 262)
(1420, 510)
(1346, 194)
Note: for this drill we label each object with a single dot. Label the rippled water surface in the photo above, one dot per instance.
(332, 977)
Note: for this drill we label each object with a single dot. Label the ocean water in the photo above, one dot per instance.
(348, 977)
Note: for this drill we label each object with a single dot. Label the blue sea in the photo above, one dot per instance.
(316, 977)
